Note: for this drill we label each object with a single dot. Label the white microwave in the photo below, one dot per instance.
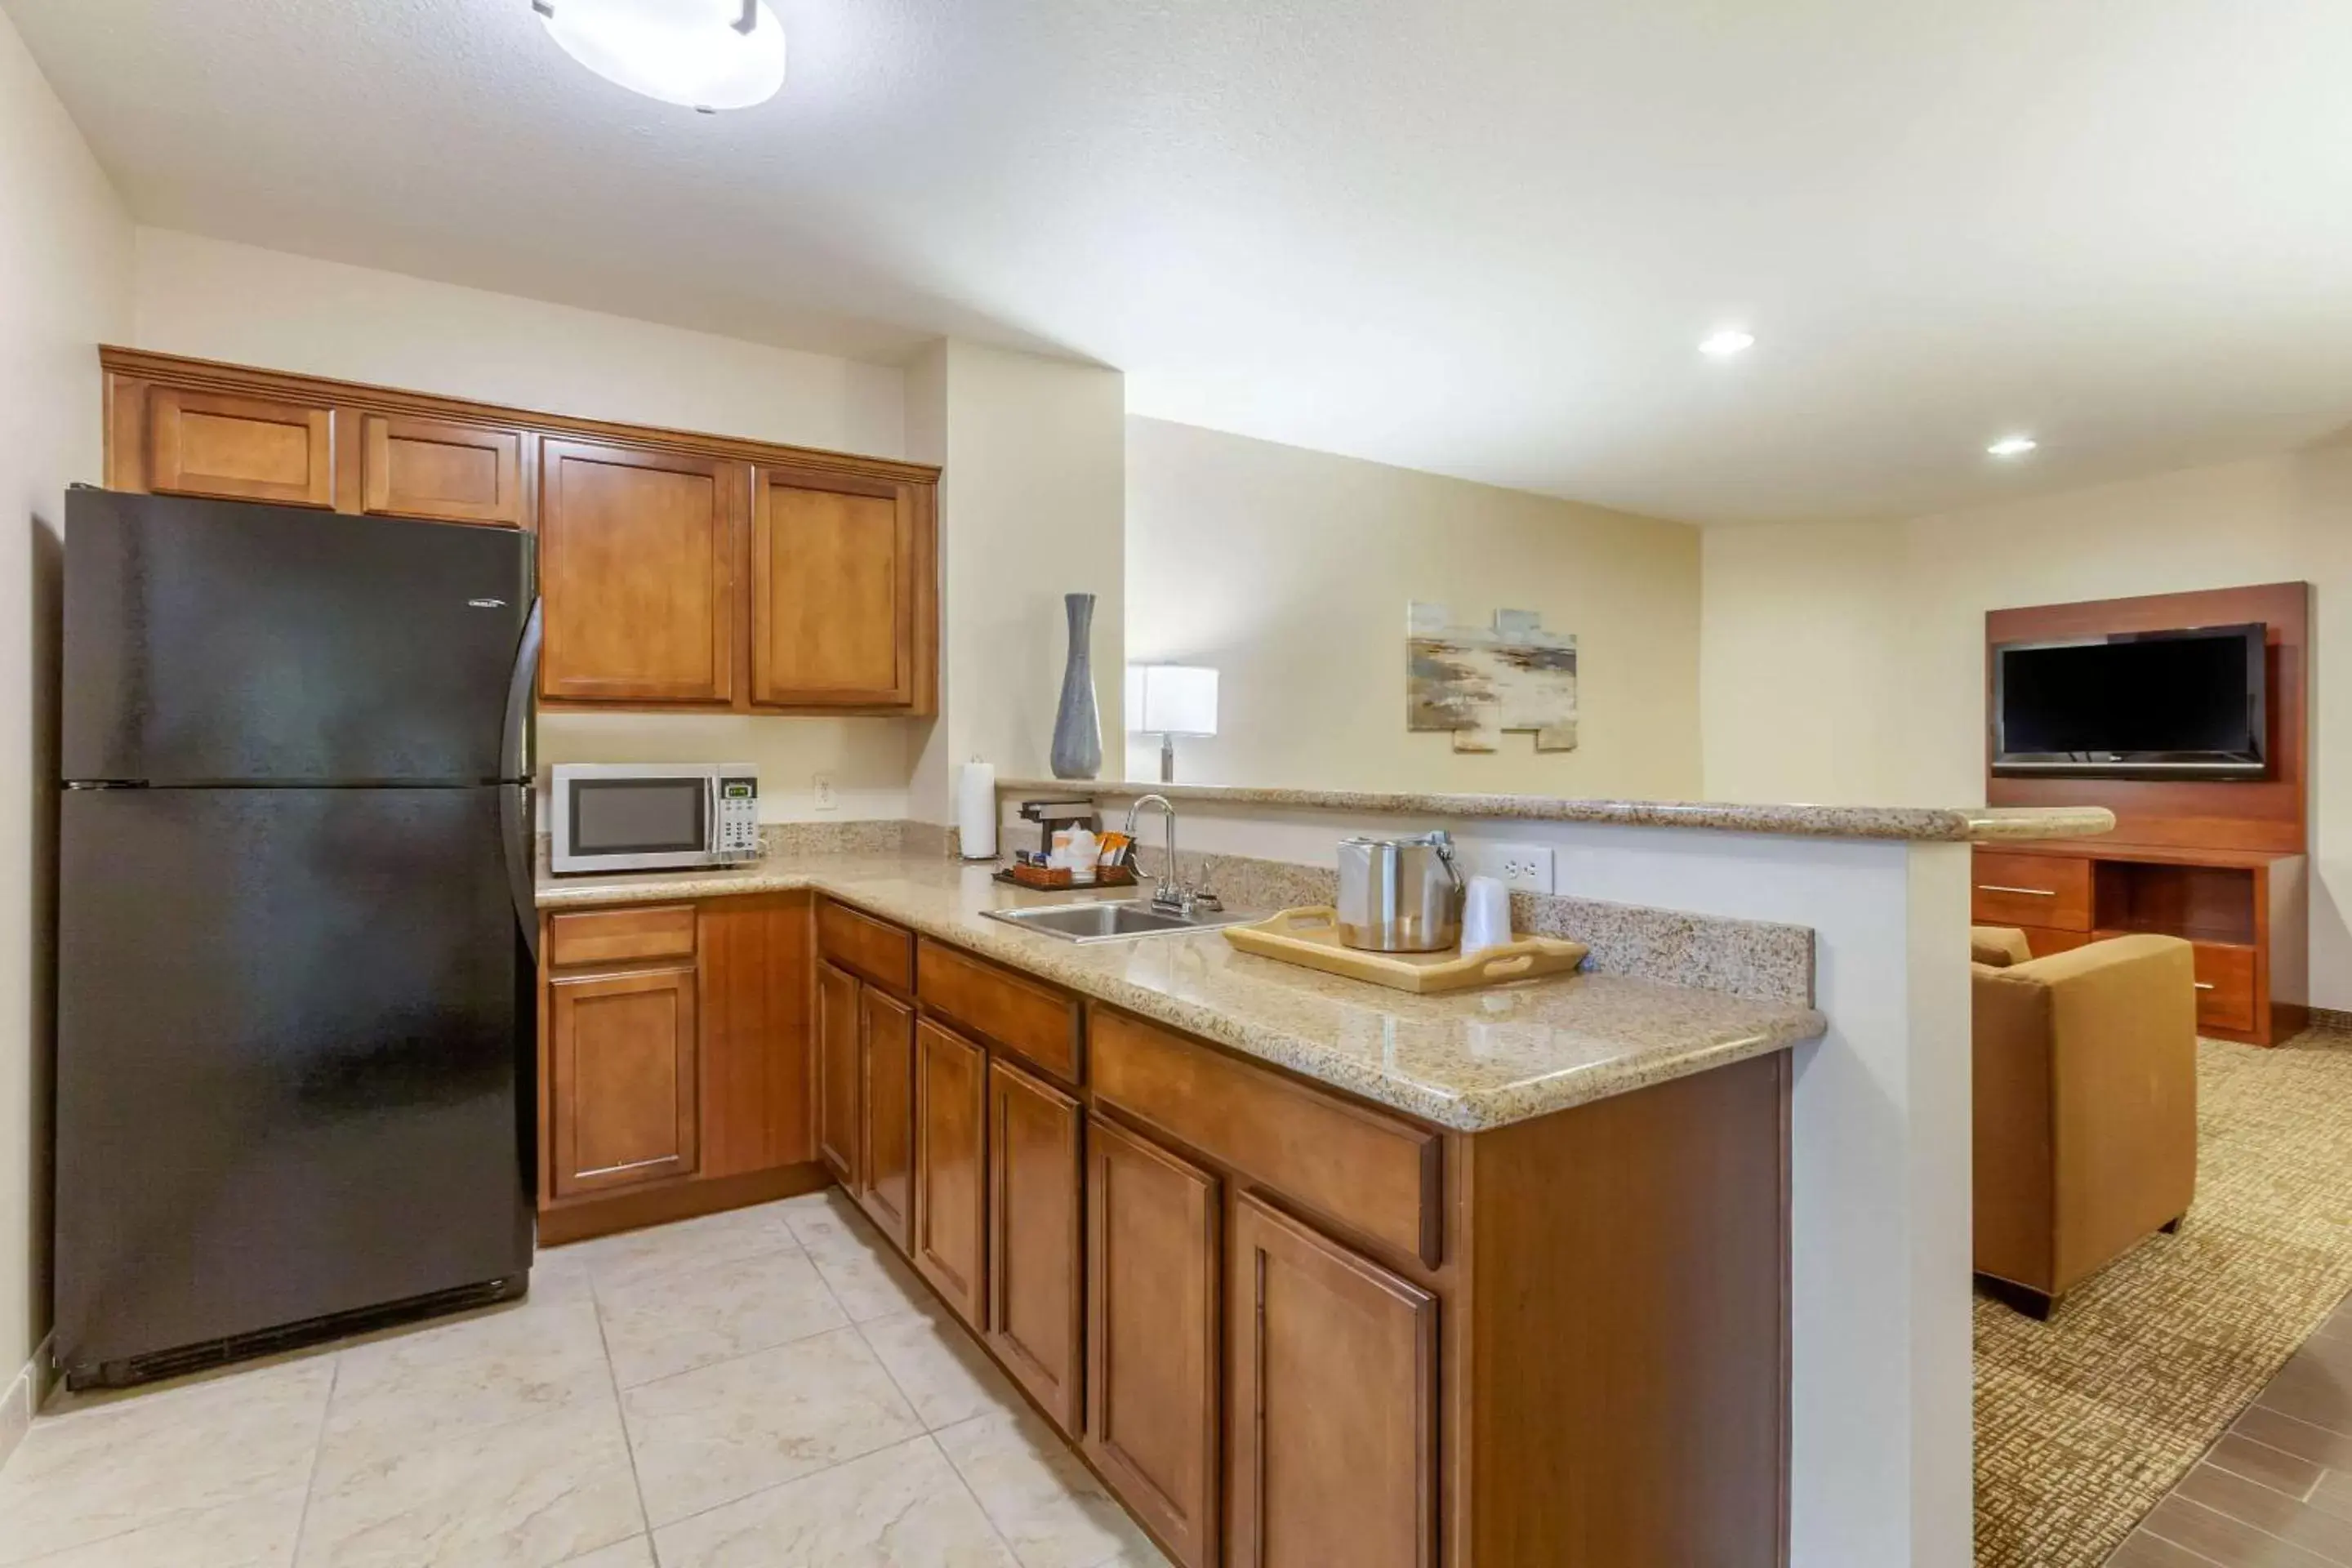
(652, 816)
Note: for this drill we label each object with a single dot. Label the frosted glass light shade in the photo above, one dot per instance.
(681, 51)
(1172, 699)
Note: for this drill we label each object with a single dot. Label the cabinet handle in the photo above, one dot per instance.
(2028, 892)
(2205, 985)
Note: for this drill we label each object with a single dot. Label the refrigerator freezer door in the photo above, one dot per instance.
(290, 1063)
(211, 642)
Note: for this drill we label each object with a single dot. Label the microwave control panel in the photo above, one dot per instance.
(738, 816)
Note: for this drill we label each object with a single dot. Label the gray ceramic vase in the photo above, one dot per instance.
(1077, 726)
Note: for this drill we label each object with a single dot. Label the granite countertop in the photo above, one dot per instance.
(1924, 823)
(1470, 1061)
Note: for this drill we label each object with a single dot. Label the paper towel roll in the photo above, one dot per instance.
(976, 810)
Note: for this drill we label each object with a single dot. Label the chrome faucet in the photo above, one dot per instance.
(1169, 891)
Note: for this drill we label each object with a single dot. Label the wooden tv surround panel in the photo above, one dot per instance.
(2223, 864)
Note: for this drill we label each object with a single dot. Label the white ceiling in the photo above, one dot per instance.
(1479, 238)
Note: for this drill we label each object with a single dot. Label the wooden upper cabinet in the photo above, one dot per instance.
(1036, 1282)
(637, 568)
(951, 1241)
(440, 469)
(240, 448)
(840, 589)
(1334, 1390)
(622, 1095)
(1153, 1268)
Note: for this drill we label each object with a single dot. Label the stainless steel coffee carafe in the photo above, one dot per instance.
(1400, 895)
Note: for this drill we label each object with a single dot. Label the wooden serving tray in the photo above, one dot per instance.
(1310, 936)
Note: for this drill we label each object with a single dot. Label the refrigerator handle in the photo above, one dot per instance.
(522, 851)
(520, 832)
(514, 740)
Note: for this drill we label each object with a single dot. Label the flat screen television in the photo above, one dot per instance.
(2184, 704)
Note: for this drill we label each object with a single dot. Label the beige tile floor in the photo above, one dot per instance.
(768, 1388)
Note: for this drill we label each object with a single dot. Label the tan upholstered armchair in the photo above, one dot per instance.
(2086, 1107)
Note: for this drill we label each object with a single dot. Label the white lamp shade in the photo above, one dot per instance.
(1172, 699)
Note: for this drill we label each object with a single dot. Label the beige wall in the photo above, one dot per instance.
(218, 300)
(1031, 503)
(1290, 571)
(65, 285)
(1846, 662)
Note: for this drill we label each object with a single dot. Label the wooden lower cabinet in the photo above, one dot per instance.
(1333, 1390)
(839, 1069)
(1036, 1280)
(1154, 1269)
(949, 1236)
(754, 1007)
(623, 1089)
(886, 1180)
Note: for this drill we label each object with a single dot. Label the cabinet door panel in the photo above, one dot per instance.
(950, 1170)
(832, 576)
(1037, 1285)
(440, 469)
(887, 1177)
(838, 1070)
(241, 448)
(1152, 1373)
(1334, 1386)
(636, 565)
(623, 1063)
(756, 1110)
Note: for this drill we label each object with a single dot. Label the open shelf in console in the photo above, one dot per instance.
(2201, 903)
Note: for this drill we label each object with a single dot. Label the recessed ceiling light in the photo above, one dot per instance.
(705, 54)
(2012, 446)
(1723, 343)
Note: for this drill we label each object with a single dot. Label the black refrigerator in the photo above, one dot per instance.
(295, 854)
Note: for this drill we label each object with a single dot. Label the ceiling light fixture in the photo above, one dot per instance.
(708, 55)
(1726, 342)
(2012, 446)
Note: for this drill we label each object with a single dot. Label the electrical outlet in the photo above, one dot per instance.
(824, 797)
(1525, 867)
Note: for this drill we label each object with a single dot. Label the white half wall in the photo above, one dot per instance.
(65, 286)
(215, 299)
(1845, 662)
(1290, 571)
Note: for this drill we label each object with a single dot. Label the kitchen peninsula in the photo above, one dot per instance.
(1610, 1268)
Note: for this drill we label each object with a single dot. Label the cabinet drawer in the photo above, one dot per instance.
(2031, 891)
(1365, 1169)
(1000, 1006)
(876, 949)
(620, 936)
(2225, 987)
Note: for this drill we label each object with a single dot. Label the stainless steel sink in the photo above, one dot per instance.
(1123, 921)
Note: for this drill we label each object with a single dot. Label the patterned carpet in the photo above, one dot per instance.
(2083, 1422)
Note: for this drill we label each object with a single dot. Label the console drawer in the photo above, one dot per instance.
(620, 936)
(877, 950)
(1362, 1169)
(1000, 1006)
(2047, 890)
(2225, 987)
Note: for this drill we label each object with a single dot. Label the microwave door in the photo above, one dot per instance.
(632, 821)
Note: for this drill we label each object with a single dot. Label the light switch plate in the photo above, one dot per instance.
(824, 798)
(1525, 867)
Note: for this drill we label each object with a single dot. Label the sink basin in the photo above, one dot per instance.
(1124, 920)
